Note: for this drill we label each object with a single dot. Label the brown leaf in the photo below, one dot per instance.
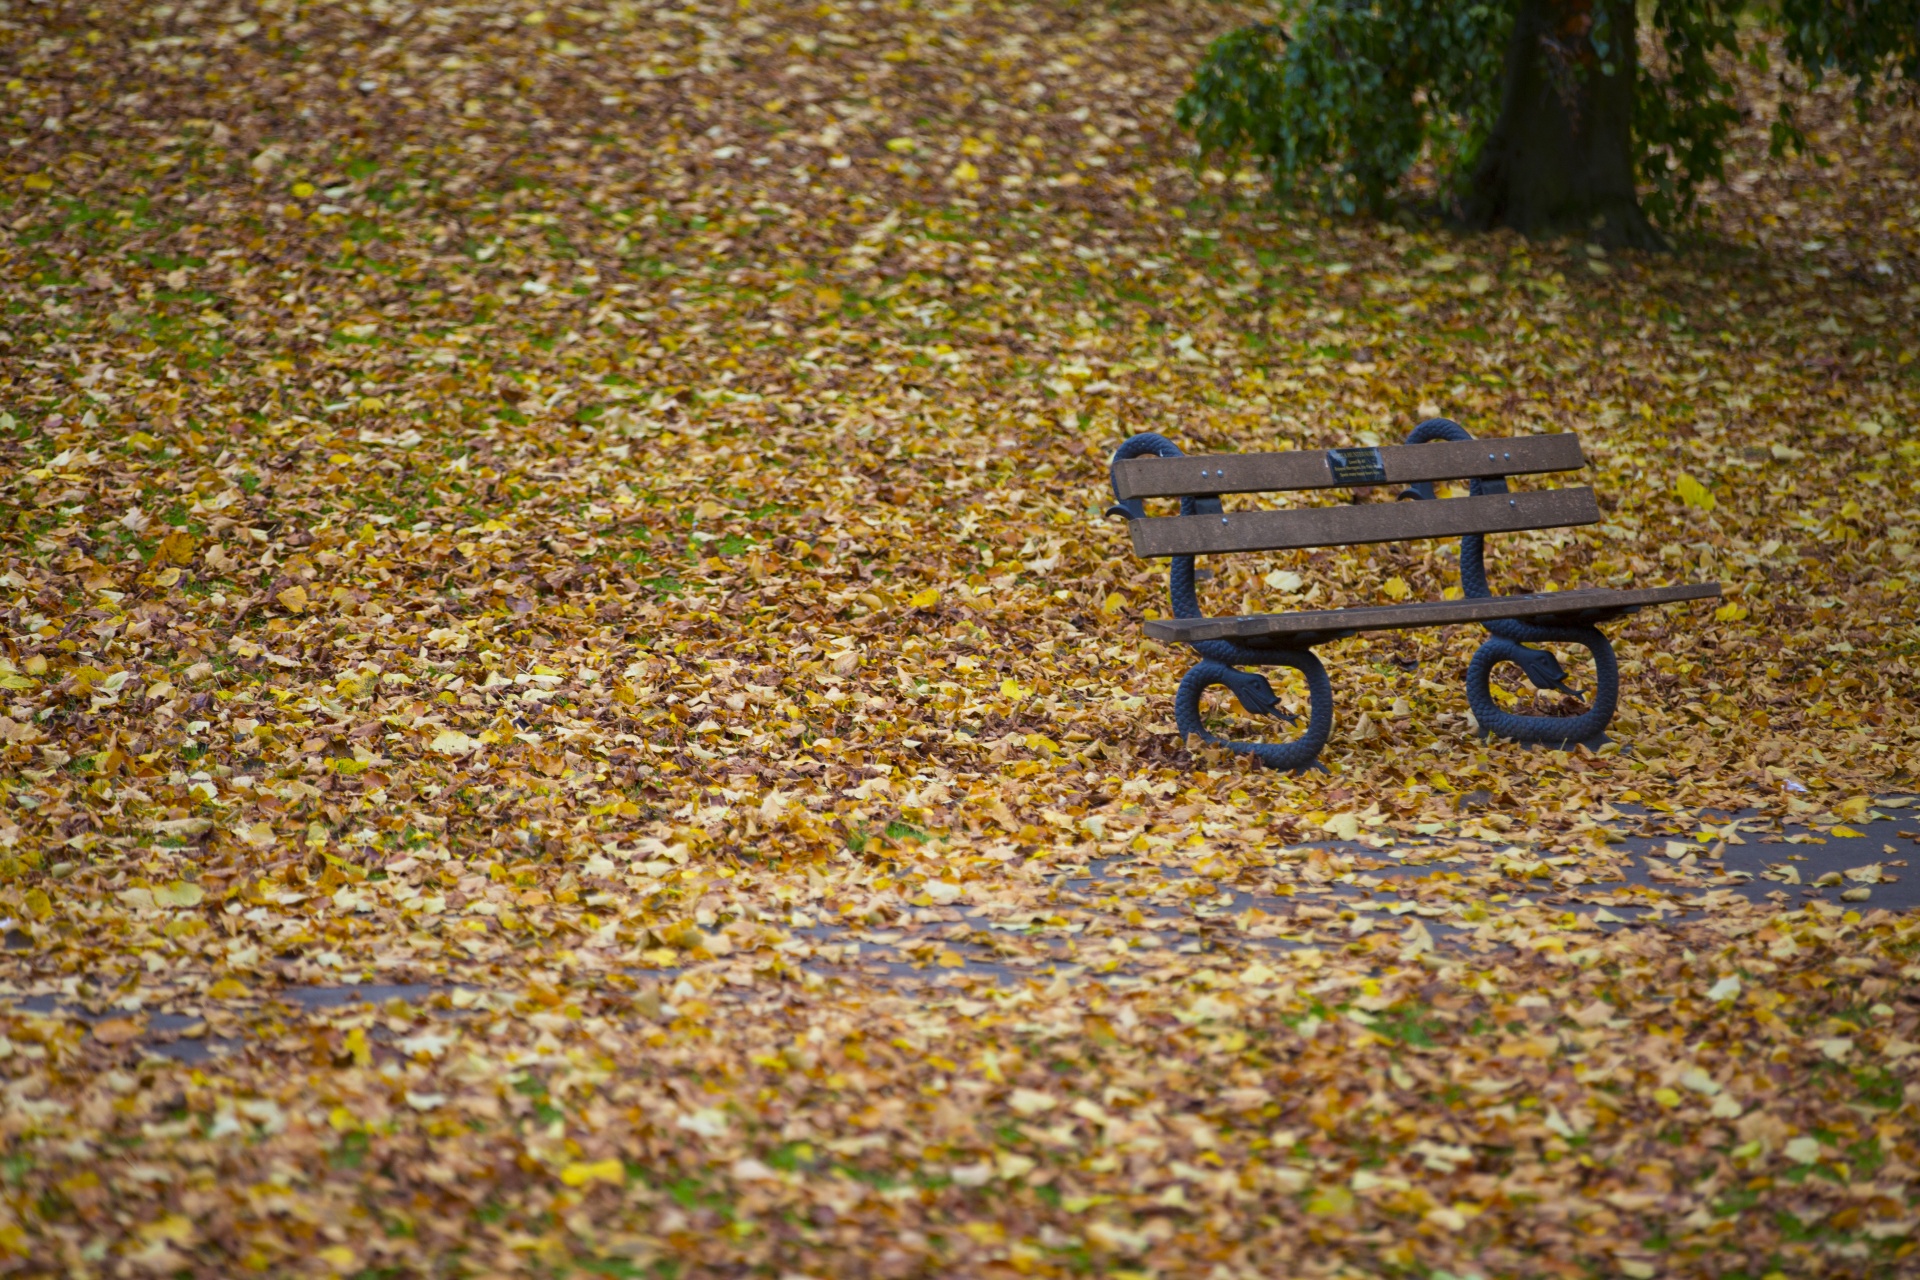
(117, 1030)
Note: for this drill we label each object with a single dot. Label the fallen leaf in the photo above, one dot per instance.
(1031, 1102)
(117, 1031)
(1331, 1201)
(179, 894)
(1694, 494)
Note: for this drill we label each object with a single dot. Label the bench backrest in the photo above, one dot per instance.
(1223, 531)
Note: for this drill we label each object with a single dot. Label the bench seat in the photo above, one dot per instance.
(1582, 607)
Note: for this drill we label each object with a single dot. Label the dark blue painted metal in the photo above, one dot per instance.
(1511, 636)
(1221, 658)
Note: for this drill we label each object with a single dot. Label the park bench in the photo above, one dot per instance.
(1151, 466)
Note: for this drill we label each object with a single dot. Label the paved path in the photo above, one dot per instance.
(1119, 920)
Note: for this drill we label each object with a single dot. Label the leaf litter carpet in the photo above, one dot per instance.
(569, 708)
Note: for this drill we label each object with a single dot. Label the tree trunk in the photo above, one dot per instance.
(1560, 156)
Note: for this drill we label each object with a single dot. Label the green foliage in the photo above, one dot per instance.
(1345, 101)
(1683, 106)
(1858, 39)
(1342, 97)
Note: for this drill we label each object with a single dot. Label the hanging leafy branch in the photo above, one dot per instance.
(1343, 102)
(1683, 105)
(1861, 40)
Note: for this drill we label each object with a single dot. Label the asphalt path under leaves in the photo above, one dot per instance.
(953, 947)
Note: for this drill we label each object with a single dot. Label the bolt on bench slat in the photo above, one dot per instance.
(1338, 468)
(1362, 523)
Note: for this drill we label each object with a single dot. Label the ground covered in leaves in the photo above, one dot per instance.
(582, 526)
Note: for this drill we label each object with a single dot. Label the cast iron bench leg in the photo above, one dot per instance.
(1558, 730)
(1511, 637)
(1221, 658)
(1298, 754)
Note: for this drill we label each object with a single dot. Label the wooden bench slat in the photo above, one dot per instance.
(1581, 606)
(1362, 523)
(1396, 464)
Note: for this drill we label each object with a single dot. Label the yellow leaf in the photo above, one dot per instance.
(39, 182)
(1396, 588)
(1284, 580)
(178, 547)
(966, 172)
(301, 190)
(452, 742)
(926, 599)
(37, 904)
(293, 599)
(580, 1174)
(1113, 604)
(1331, 1201)
(684, 936)
(339, 1257)
(174, 1228)
(357, 1046)
(1010, 688)
(1667, 1097)
(900, 146)
(950, 960)
(228, 989)
(1344, 826)
(179, 894)
(1730, 612)
(1844, 831)
(257, 834)
(1693, 493)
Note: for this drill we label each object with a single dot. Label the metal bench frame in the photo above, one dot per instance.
(1150, 465)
